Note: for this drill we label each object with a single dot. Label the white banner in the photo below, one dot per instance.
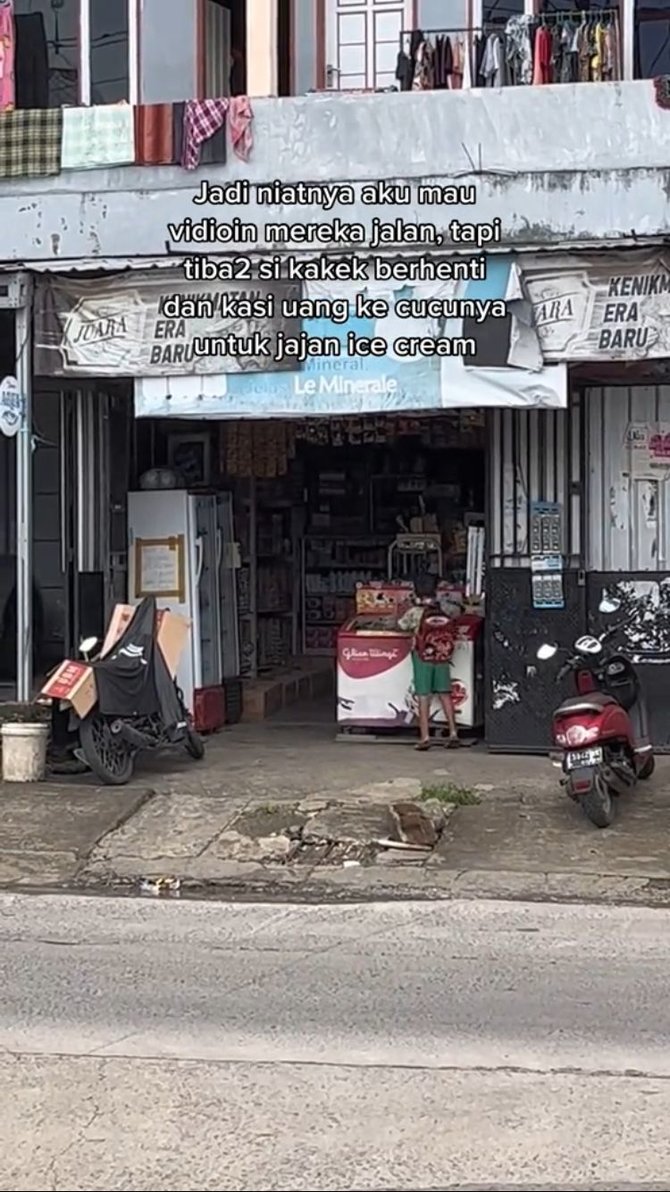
(611, 307)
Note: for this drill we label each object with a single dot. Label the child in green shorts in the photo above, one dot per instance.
(431, 650)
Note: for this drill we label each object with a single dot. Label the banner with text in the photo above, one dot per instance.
(142, 324)
(504, 370)
(614, 306)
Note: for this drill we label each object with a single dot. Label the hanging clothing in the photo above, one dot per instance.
(479, 50)
(542, 56)
(467, 67)
(30, 143)
(241, 118)
(492, 63)
(598, 52)
(567, 67)
(31, 61)
(457, 64)
(7, 55)
(612, 58)
(212, 151)
(519, 50)
(404, 71)
(424, 68)
(154, 140)
(202, 119)
(97, 137)
(583, 54)
(443, 62)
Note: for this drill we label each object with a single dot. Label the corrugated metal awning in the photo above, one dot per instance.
(93, 264)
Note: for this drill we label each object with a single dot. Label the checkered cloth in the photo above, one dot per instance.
(30, 142)
(202, 119)
(96, 137)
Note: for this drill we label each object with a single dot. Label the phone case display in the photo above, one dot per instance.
(375, 687)
(332, 570)
(266, 578)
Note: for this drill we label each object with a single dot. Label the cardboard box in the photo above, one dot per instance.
(173, 631)
(74, 682)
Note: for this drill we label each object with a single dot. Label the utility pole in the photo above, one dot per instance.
(24, 498)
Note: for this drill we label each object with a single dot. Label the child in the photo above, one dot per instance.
(431, 650)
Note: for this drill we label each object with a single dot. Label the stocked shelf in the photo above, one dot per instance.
(332, 567)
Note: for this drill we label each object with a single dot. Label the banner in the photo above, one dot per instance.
(614, 306)
(390, 383)
(130, 325)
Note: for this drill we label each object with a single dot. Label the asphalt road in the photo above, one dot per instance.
(150, 1045)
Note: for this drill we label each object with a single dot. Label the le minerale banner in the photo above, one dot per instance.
(144, 324)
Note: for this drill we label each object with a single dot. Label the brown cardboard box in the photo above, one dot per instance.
(173, 631)
(75, 683)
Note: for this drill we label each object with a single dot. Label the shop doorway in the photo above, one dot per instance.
(317, 508)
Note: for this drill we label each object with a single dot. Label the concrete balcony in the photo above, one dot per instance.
(586, 164)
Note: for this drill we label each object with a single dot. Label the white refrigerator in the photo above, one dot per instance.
(180, 551)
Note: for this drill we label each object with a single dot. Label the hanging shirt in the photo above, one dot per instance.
(240, 118)
(202, 118)
(597, 57)
(583, 54)
(457, 65)
(543, 55)
(424, 68)
(7, 50)
(519, 49)
(491, 67)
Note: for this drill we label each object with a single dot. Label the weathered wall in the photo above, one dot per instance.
(628, 517)
(538, 157)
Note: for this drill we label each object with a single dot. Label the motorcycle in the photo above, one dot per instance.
(603, 730)
(127, 699)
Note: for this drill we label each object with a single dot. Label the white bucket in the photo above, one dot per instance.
(24, 752)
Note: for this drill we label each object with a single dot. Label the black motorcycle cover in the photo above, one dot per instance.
(133, 680)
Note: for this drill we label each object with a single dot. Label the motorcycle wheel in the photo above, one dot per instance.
(597, 804)
(648, 768)
(195, 746)
(109, 757)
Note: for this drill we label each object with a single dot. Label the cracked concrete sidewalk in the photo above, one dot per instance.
(222, 825)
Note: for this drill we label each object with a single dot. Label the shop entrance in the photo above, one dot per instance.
(326, 513)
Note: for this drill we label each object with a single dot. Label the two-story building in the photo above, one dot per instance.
(555, 117)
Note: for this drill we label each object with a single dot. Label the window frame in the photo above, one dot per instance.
(85, 52)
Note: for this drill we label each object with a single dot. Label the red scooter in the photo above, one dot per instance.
(603, 730)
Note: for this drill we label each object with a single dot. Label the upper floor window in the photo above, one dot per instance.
(363, 40)
(652, 38)
(75, 52)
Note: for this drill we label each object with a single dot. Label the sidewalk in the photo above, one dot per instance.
(275, 812)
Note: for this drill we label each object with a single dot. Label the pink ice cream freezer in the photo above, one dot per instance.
(375, 687)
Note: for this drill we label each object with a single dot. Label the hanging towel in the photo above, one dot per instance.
(7, 48)
(241, 117)
(96, 137)
(212, 151)
(154, 135)
(30, 143)
(202, 119)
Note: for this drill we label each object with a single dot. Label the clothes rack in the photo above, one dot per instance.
(570, 46)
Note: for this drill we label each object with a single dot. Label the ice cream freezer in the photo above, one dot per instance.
(375, 684)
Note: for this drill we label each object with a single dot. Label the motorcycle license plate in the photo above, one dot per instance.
(583, 757)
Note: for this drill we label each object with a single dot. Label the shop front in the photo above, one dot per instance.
(305, 501)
